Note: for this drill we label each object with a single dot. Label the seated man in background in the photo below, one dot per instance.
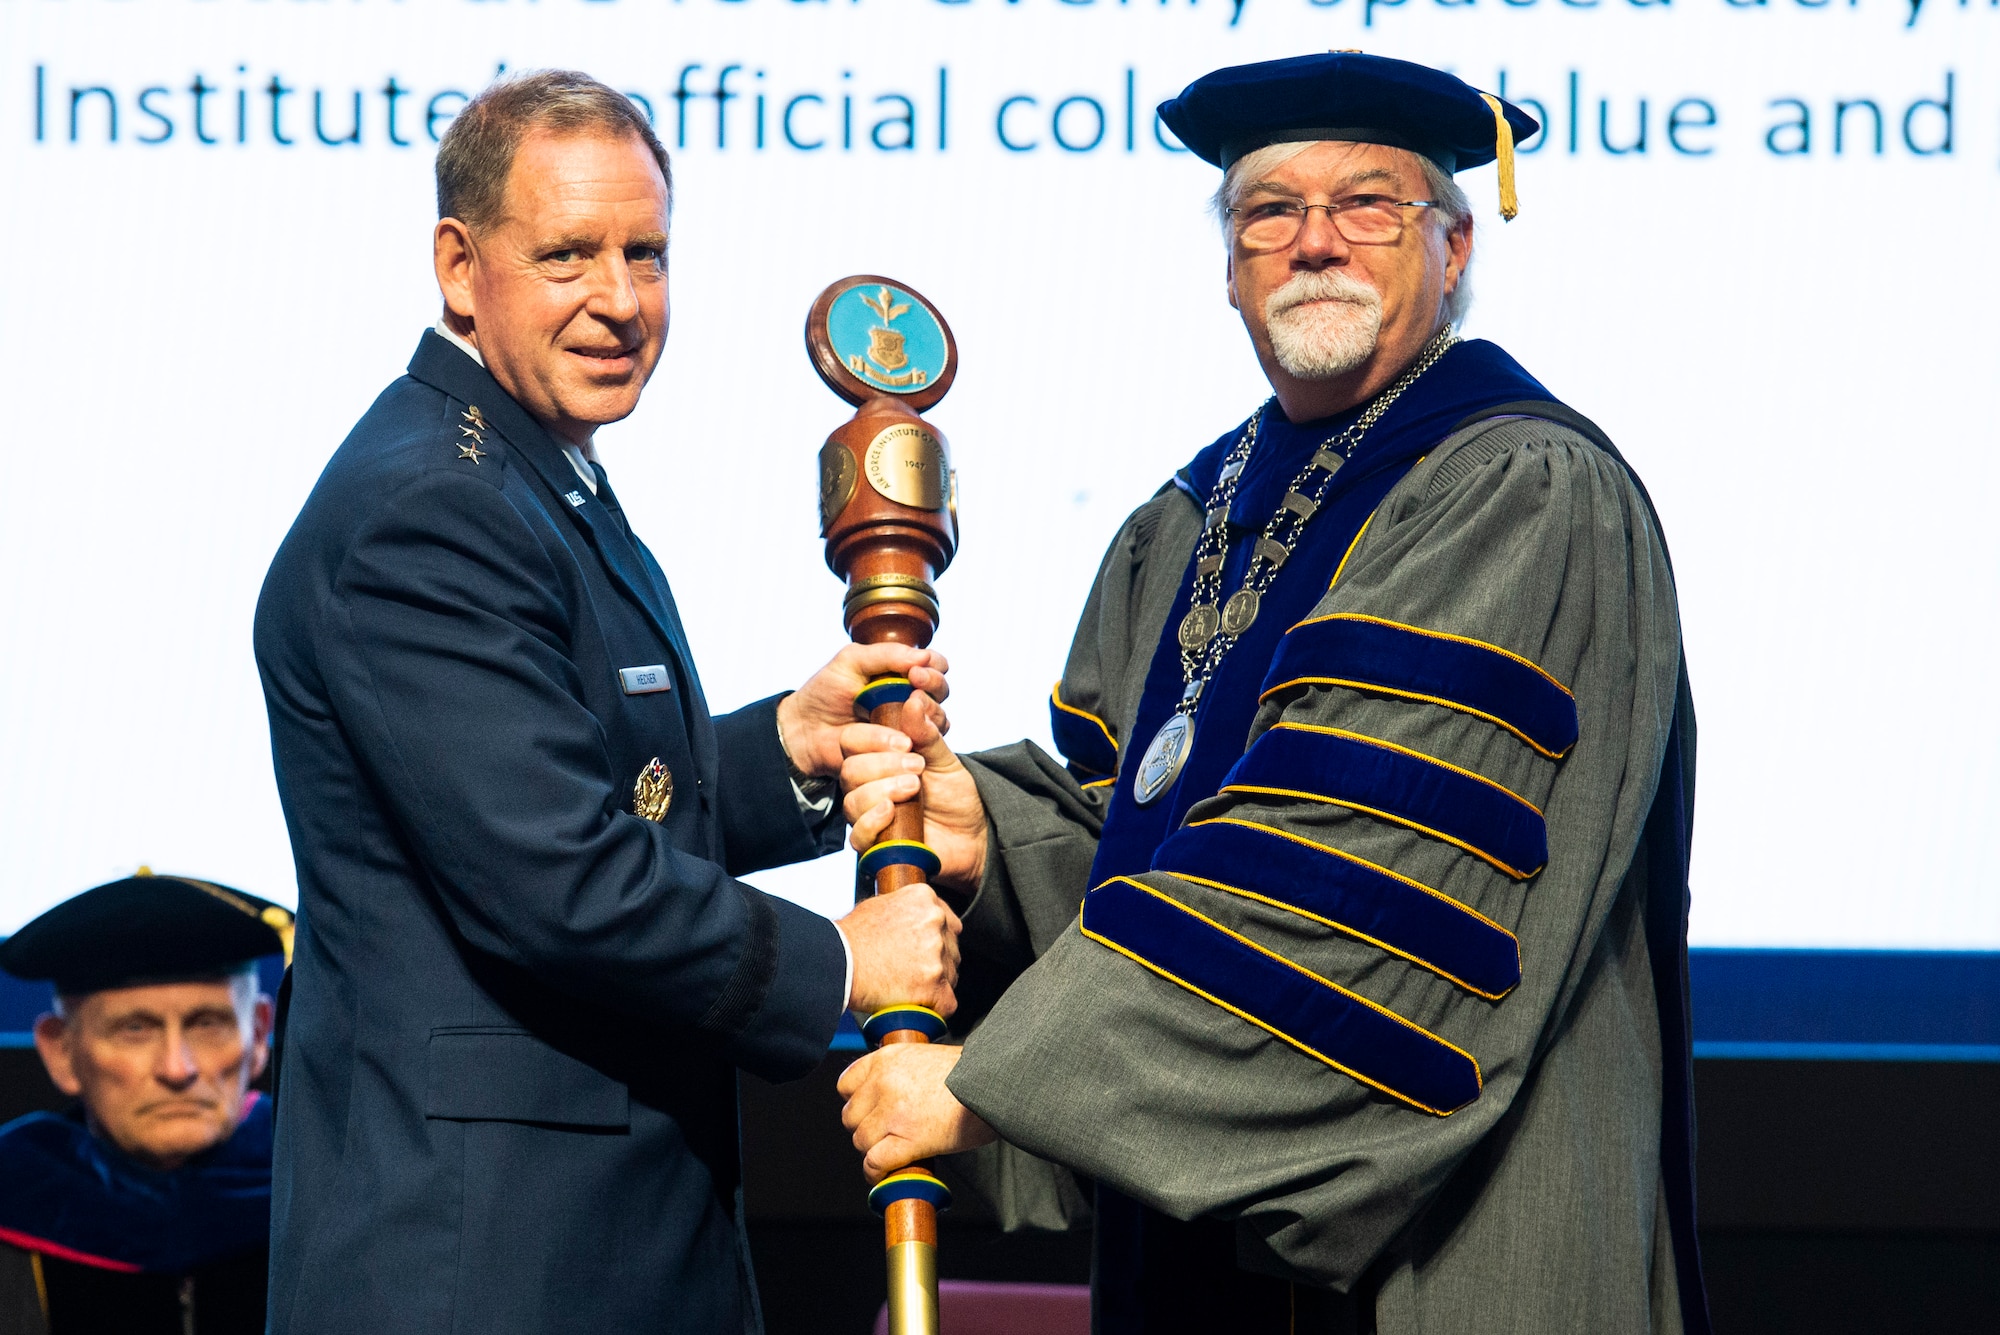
(146, 1207)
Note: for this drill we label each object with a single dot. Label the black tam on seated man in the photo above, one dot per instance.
(147, 1206)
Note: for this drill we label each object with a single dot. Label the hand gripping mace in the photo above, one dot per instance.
(888, 506)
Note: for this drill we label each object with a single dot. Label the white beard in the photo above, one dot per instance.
(1323, 324)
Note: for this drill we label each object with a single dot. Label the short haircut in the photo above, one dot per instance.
(478, 148)
(1452, 208)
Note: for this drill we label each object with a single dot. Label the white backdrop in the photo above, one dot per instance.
(1787, 325)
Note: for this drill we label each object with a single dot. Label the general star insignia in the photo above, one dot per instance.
(472, 452)
(472, 432)
(472, 415)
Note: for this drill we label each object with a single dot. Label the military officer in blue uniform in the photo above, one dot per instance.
(525, 977)
(145, 1209)
(1345, 955)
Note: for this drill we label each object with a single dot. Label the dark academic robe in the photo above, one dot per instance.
(1375, 1020)
(94, 1243)
(525, 977)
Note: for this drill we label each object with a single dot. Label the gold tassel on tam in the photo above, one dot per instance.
(284, 924)
(1503, 148)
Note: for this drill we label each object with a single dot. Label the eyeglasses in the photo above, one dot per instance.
(1269, 223)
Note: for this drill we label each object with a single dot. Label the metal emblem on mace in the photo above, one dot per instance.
(888, 507)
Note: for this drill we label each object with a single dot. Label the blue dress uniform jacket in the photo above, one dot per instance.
(508, 1100)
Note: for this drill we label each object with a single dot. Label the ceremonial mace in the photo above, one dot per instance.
(888, 509)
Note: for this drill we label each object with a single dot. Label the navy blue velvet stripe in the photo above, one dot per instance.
(1407, 660)
(1368, 1043)
(1486, 821)
(883, 691)
(1081, 740)
(1417, 923)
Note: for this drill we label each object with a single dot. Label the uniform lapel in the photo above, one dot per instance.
(615, 533)
(438, 364)
(636, 569)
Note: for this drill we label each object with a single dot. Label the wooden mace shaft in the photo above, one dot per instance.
(909, 1227)
(907, 822)
(888, 535)
(889, 514)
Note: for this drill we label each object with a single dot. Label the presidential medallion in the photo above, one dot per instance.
(1161, 764)
(1198, 627)
(654, 791)
(1240, 611)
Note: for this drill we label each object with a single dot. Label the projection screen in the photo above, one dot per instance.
(1752, 246)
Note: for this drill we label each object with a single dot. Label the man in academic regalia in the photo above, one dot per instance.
(1379, 783)
(147, 1208)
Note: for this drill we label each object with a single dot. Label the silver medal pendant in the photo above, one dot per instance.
(1161, 764)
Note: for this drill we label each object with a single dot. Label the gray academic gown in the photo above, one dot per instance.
(1539, 1206)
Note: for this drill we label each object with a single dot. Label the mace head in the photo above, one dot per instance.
(872, 337)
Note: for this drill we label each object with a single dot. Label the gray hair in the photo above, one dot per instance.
(245, 986)
(477, 151)
(1452, 208)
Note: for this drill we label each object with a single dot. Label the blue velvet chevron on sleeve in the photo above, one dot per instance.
(1341, 890)
(1351, 895)
(1082, 737)
(1372, 654)
(1320, 1018)
(1396, 784)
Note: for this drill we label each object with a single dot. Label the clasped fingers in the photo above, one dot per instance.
(900, 1110)
(905, 946)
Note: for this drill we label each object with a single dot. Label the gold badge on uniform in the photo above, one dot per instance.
(654, 791)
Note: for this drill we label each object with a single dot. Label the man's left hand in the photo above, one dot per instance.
(813, 718)
(900, 1111)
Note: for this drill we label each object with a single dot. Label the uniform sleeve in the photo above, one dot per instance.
(764, 824)
(1346, 964)
(445, 648)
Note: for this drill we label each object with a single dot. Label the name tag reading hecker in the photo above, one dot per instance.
(645, 680)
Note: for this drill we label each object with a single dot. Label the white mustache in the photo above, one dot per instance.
(1323, 323)
(1321, 285)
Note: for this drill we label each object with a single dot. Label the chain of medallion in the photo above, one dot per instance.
(1212, 626)
(1208, 632)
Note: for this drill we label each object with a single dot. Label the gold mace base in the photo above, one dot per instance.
(913, 1303)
